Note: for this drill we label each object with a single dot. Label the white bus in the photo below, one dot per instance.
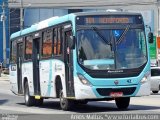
(82, 57)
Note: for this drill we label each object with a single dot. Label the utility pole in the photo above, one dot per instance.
(21, 16)
(3, 18)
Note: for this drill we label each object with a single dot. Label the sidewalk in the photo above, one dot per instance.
(4, 77)
(5, 84)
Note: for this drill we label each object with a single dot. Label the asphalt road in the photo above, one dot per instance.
(11, 104)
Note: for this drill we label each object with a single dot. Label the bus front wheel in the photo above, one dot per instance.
(123, 102)
(65, 103)
(29, 100)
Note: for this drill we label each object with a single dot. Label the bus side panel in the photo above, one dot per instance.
(27, 72)
(13, 78)
(46, 78)
(49, 70)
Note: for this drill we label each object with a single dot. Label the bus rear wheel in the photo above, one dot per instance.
(65, 103)
(123, 102)
(29, 100)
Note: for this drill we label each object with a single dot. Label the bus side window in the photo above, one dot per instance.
(47, 44)
(59, 43)
(55, 42)
(28, 48)
(13, 52)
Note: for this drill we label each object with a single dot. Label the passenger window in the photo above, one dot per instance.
(28, 48)
(57, 41)
(13, 52)
(47, 44)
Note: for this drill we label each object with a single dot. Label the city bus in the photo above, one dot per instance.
(81, 57)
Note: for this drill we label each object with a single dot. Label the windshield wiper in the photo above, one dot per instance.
(123, 34)
(100, 35)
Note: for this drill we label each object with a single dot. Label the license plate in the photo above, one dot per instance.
(116, 94)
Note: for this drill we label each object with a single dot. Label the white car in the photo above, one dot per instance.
(155, 79)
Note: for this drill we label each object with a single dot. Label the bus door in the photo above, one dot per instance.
(35, 58)
(68, 59)
(19, 66)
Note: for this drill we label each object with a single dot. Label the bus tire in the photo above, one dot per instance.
(39, 102)
(81, 102)
(65, 103)
(29, 100)
(123, 102)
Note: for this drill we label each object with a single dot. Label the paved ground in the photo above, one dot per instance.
(12, 104)
(4, 77)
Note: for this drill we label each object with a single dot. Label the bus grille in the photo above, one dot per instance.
(107, 91)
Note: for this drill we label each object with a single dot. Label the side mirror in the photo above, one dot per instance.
(150, 37)
(71, 42)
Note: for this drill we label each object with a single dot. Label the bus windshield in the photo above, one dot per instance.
(105, 49)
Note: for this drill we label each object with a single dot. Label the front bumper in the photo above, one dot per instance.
(98, 92)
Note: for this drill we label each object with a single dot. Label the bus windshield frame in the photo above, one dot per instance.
(110, 37)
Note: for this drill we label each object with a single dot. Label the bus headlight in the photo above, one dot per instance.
(145, 78)
(83, 80)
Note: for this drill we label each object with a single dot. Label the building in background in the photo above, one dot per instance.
(4, 31)
(24, 13)
(37, 10)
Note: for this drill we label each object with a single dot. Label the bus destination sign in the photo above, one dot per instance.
(98, 20)
(91, 20)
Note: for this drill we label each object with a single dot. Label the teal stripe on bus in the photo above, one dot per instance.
(50, 78)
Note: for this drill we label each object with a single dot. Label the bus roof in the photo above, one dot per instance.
(56, 20)
(105, 13)
(43, 24)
